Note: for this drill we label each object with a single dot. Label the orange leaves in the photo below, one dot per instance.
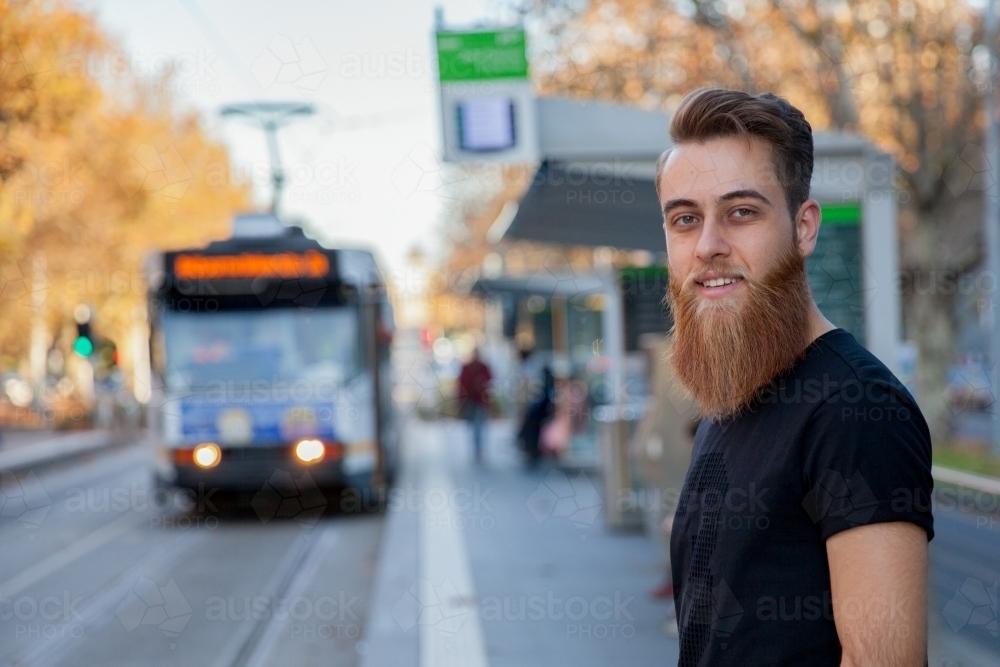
(96, 170)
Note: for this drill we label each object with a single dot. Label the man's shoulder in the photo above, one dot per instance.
(848, 374)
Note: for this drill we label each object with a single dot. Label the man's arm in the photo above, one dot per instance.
(878, 577)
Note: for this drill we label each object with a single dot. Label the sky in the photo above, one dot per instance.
(364, 172)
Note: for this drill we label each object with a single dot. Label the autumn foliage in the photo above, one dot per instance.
(97, 169)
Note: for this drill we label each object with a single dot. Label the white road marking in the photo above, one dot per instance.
(451, 631)
(76, 550)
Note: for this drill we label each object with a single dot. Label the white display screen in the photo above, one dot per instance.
(486, 124)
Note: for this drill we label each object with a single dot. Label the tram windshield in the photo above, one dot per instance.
(279, 345)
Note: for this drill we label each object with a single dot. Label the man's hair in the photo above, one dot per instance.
(716, 113)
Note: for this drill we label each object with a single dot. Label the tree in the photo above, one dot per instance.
(97, 169)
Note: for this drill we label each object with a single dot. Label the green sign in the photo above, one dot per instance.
(482, 55)
(834, 269)
(841, 214)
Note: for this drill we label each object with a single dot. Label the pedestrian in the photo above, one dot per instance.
(540, 410)
(474, 398)
(802, 530)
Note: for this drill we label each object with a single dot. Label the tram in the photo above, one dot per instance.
(272, 352)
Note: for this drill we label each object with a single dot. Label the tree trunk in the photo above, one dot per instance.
(930, 322)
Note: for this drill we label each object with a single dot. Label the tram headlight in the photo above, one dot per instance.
(207, 455)
(309, 451)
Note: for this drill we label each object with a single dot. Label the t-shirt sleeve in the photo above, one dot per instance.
(867, 459)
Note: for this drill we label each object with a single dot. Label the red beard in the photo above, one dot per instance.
(726, 351)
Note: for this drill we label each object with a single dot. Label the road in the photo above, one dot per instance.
(965, 568)
(96, 569)
(102, 571)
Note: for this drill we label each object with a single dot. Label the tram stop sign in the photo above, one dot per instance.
(487, 106)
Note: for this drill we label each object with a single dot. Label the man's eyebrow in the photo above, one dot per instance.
(678, 203)
(743, 194)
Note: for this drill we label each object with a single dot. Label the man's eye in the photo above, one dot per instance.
(684, 220)
(743, 212)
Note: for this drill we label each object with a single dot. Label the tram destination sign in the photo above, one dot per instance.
(225, 278)
(309, 264)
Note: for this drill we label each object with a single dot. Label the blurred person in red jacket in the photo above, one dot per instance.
(474, 398)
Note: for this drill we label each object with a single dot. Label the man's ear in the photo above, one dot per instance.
(807, 223)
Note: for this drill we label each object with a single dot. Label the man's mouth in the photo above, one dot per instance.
(717, 287)
(717, 282)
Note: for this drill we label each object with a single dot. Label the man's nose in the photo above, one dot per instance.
(711, 244)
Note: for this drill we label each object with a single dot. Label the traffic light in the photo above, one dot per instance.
(84, 343)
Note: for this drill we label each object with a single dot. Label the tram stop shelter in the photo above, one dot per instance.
(594, 187)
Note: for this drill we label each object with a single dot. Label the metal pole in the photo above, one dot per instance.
(277, 173)
(271, 117)
(371, 306)
(39, 332)
(991, 206)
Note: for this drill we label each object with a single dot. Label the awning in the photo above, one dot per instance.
(609, 203)
(547, 285)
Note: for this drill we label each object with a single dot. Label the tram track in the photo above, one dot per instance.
(253, 643)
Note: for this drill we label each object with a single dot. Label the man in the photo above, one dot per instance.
(474, 398)
(801, 534)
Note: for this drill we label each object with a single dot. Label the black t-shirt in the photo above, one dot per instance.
(834, 443)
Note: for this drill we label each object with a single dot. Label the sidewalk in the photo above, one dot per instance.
(29, 449)
(496, 565)
(13, 439)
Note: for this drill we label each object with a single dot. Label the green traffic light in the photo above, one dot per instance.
(83, 346)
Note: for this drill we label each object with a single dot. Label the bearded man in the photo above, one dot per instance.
(801, 534)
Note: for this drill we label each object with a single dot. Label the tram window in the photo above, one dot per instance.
(322, 344)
